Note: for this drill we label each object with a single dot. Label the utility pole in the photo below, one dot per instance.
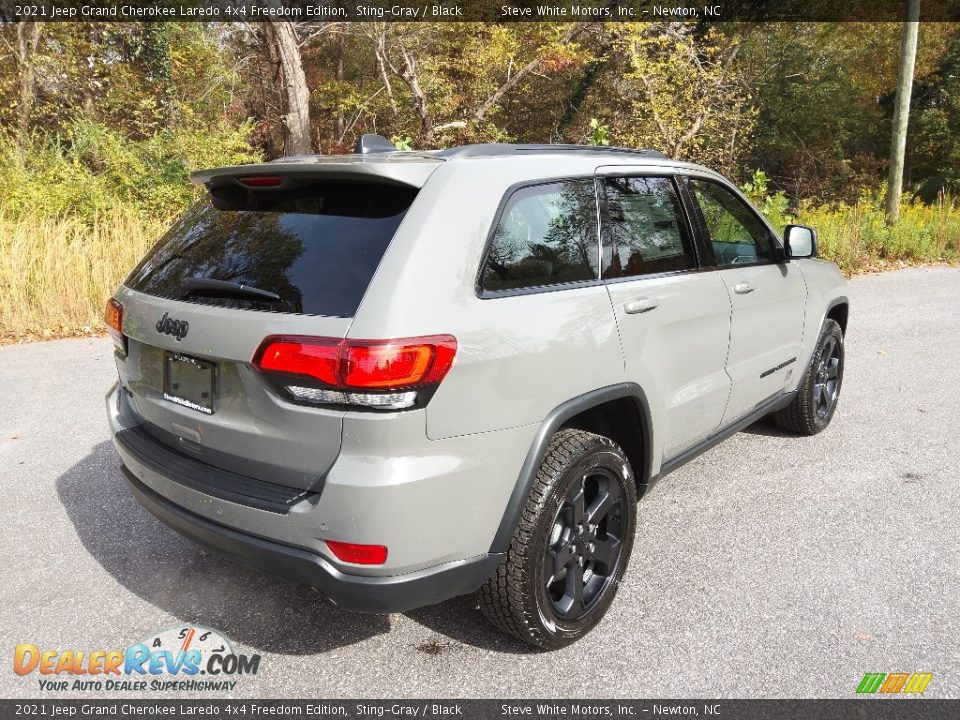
(901, 111)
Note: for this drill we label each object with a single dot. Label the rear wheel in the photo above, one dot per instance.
(571, 547)
(816, 401)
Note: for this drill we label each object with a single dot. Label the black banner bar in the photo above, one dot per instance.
(473, 10)
(860, 709)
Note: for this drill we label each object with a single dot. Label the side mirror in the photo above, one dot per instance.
(799, 241)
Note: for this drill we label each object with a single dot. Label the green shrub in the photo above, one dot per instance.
(857, 237)
(90, 169)
(774, 207)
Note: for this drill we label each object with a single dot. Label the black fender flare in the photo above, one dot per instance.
(538, 449)
(837, 301)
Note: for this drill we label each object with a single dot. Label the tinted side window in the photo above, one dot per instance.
(547, 234)
(316, 247)
(737, 234)
(646, 232)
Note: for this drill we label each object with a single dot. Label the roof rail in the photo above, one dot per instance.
(501, 149)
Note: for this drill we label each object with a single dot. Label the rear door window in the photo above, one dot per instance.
(546, 235)
(315, 247)
(646, 231)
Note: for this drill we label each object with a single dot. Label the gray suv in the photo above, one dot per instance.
(406, 376)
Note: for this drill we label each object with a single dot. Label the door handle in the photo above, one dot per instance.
(641, 305)
(743, 288)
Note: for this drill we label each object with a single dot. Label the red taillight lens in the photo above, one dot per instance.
(260, 181)
(359, 554)
(397, 364)
(318, 358)
(114, 315)
(379, 365)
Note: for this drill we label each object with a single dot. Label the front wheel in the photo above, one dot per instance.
(816, 401)
(571, 546)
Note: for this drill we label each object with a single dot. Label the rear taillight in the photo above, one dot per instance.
(313, 357)
(375, 374)
(359, 554)
(113, 316)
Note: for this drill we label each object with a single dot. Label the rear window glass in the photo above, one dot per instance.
(315, 248)
(547, 235)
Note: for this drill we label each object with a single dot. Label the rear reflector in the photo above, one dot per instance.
(113, 316)
(378, 374)
(358, 554)
(260, 180)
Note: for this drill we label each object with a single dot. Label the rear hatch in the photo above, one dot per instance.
(285, 249)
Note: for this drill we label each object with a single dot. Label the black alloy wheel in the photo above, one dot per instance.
(585, 544)
(826, 385)
(815, 403)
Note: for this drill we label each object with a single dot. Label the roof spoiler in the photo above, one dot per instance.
(371, 168)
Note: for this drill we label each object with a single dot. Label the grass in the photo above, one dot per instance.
(858, 240)
(56, 273)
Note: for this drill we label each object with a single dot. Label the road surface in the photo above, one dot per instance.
(772, 566)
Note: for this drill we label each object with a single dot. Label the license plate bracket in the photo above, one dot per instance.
(189, 382)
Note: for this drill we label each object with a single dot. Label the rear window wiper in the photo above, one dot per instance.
(199, 286)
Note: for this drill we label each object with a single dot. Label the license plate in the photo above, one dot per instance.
(189, 382)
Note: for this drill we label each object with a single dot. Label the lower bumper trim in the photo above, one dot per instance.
(360, 593)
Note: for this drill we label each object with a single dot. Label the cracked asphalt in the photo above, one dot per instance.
(772, 566)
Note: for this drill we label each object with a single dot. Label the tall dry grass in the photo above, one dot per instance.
(57, 273)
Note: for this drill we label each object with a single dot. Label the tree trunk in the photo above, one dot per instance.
(283, 39)
(409, 74)
(28, 37)
(901, 112)
(340, 122)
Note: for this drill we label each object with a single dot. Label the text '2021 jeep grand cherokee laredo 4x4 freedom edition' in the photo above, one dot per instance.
(405, 376)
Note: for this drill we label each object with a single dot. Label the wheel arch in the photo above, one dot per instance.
(621, 412)
(839, 310)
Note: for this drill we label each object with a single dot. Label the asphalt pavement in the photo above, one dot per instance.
(772, 566)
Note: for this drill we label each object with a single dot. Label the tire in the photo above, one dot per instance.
(819, 392)
(557, 554)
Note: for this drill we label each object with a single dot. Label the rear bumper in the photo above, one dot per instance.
(376, 594)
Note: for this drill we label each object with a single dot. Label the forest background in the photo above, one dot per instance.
(101, 123)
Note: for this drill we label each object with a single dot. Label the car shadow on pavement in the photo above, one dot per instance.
(460, 620)
(196, 586)
(768, 428)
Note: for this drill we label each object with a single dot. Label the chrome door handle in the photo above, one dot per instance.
(743, 288)
(641, 305)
